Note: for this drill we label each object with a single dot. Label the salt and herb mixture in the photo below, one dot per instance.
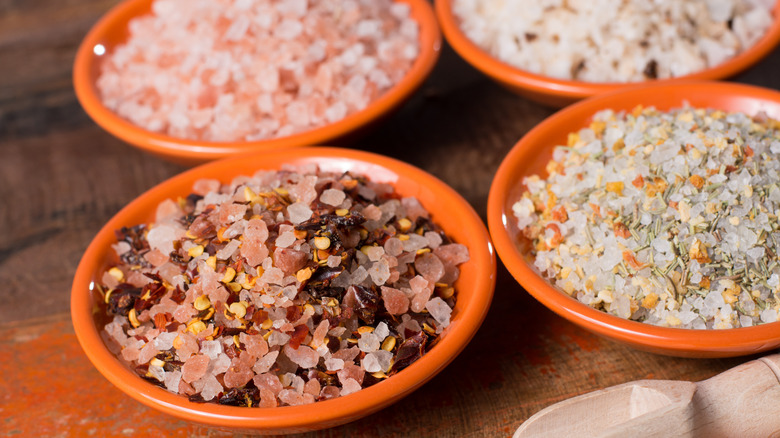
(227, 70)
(284, 288)
(665, 218)
(614, 40)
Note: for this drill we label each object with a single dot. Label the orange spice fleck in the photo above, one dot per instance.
(697, 181)
(638, 182)
(621, 230)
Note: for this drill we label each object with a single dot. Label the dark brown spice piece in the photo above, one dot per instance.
(651, 69)
(410, 350)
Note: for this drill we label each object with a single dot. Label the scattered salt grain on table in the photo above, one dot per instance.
(224, 71)
(668, 218)
(292, 287)
(614, 40)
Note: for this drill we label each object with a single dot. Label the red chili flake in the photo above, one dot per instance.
(559, 214)
(557, 238)
(409, 351)
(178, 295)
(748, 151)
(638, 182)
(298, 335)
(730, 168)
(293, 313)
(621, 230)
(628, 256)
(259, 316)
(162, 319)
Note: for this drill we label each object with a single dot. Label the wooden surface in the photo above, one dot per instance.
(62, 177)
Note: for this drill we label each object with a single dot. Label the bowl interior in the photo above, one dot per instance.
(112, 30)
(533, 152)
(448, 209)
(559, 92)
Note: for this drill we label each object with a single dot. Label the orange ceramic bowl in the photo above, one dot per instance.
(531, 154)
(111, 31)
(448, 209)
(559, 92)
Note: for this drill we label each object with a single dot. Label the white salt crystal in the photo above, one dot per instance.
(334, 364)
(350, 386)
(285, 239)
(368, 342)
(332, 197)
(299, 212)
(768, 315)
(440, 311)
(370, 363)
(212, 349)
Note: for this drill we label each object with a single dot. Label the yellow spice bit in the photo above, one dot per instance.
(196, 326)
(389, 343)
(405, 224)
(235, 287)
(267, 335)
(568, 287)
(267, 324)
(379, 375)
(342, 212)
(116, 273)
(303, 275)
(565, 272)
(308, 308)
(572, 139)
(108, 295)
(249, 194)
(282, 191)
(650, 300)
(238, 309)
(322, 242)
(133, 318)
(249, 282)
(423, 250)
(177, 342)
(447, 292)
(363, 233)
(195, 251)
(156, 362)
(236, 342)
(300, 234)
(637, 110)
(755, 293)
(365, 329)
(598, 127)
(212, 262)
(673, 320)
(189, 235)
(428, 328)
(209, 313)
(615, 187)
(230, 274)
(403, 237)
(619, 144)
(202, 303)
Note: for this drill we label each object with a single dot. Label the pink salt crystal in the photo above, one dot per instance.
(347, 354)
(185, 388)
(290, 260)
(155, 257)
(372, 212)
(332, 197)
(312, 387)
(137, 279)
(375, 253)
(167, 209)
(228, 250)
(130, 352)
(184, 313)
(256, 232)
(413, 208)
(395, 301)
(285, 239)
(172, 380)
(429, 266)
(299, 212)
(211, 387)
(121, 247)
(454, 253)
(188, 347)
(433, 238)
(350, 386)
(161, 237)
(237, 375)
(269, 382)
(194, 368)
(303, 356)
(334, 364)
(264, 364)
(333, 261)
(291, 397)
(394, 246)
(351, 371)
(203, 186)
(422, 289)
(147, 353)
(272, 276)
(111, 282)
(329, 392)
(267, 399)
(320, 332)
(254, 253)
(440, 311)
(255, 344)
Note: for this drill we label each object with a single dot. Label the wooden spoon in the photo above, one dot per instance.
(741, 402)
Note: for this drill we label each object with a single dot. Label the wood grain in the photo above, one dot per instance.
(62, 178)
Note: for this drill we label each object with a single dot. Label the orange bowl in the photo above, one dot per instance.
(533, 152)
(560, 92)
(447, 208)
(111, 31)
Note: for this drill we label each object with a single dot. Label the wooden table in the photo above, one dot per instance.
(62, 177)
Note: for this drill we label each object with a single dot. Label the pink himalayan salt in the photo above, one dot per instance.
(194, 368)
(187, 347)
(203, 186)
(211, 387)
(229, 81)
(312, 387)
(329, 392)
(147, 353)
(348, 354)
(229, 213)
(429, 266)
(255, 344)
(303, 356)
(351, 371)
(290, 260)
(267, 399)
(294, 398)
(264, 364)
(166, 210)
(332, 197)
(239, 374)
(269, 382)
(156, 257)
(394, 246)
(255, 235)
(422, 290)
(396, 302)
(349, 386)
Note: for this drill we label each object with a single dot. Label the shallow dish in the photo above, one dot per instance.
(559, 92)
(531, 154)
(111, 31)
(448, 209)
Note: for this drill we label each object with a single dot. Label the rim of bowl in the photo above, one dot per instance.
(571, 89)
(319, 414)
(111, 30)
(535, 149)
